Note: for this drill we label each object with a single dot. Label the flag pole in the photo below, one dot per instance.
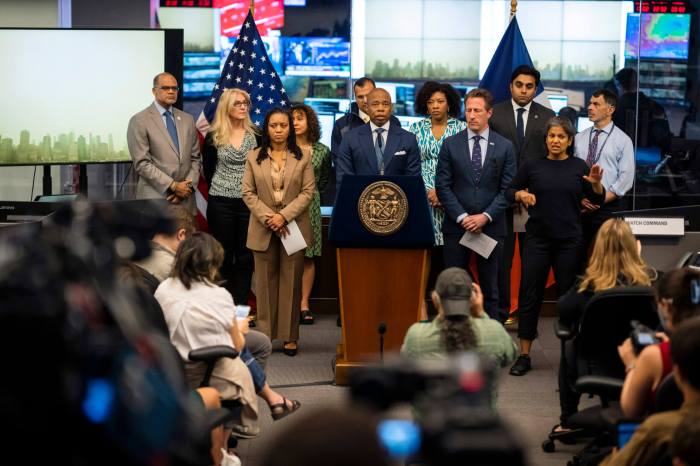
(513, 8)
(252, 7)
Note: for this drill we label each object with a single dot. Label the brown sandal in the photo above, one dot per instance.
(280, 410)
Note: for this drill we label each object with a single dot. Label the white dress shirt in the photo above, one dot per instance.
(526, 113)
(385, 134)
(484, 143)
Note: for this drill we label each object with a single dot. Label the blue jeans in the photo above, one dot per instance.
(256, 371)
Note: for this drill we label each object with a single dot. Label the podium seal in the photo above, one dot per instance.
(383, 208)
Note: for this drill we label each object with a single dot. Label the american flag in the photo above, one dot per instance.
(249, 68)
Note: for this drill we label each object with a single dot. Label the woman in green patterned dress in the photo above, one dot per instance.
(308, 133)
(440, 102)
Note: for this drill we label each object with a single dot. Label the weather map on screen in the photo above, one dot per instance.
(663, 35)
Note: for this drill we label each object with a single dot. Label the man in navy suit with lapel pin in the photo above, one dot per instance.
(475, 166)
(380, 147)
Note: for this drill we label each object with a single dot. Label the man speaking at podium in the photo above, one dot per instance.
(380, 147)
(475, 166)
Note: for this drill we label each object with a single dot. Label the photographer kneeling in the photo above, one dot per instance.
(461, 324)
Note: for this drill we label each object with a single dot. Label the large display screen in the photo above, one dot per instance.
(663, 35)
(70, 93)
(317, 56)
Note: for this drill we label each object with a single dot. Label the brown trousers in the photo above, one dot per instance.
(278, 291)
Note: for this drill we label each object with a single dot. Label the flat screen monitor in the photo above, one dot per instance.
(663, 35)
(326, 121)
(328, 105)
(316, 56)
(558, 101)
(71, 92)
(407, 121)
(399, 92)
(583, 123)
(647, 155)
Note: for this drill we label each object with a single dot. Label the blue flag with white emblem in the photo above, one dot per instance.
(249, 68)
(511, 53)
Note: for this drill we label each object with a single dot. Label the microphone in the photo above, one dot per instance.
(382, 330)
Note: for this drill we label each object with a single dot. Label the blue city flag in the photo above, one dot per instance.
(248, 68)
(511, 53)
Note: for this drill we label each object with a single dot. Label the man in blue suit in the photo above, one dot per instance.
(380, 147)
(474, 169)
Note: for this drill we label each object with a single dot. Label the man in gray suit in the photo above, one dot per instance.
(523, 122)
(164, 147)
(475, 166)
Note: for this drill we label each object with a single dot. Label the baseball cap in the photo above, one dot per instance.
(454, 286)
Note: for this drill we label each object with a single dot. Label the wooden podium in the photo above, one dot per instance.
(381, 277)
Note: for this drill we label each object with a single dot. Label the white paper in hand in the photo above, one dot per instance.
(520, 217)
(479, 243)
(294, 241)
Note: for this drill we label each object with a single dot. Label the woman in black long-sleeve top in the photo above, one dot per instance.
(552, 190)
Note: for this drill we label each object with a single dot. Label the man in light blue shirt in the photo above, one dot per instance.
(608, 146)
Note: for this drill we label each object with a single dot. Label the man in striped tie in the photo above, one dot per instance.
(164, 148)
(606, 145)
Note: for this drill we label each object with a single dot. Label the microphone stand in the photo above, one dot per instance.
(382, 330)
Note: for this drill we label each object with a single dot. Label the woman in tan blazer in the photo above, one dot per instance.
(278, 185)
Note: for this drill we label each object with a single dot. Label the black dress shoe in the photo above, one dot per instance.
(522, 365)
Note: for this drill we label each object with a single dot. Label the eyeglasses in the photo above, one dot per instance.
(239, 103)
(169, 88)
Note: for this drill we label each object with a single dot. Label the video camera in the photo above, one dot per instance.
(642, 336)
(88, 379)
(455, 423)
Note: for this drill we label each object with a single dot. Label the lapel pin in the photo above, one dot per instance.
(491, 144)
(537, 116)
(178, 118)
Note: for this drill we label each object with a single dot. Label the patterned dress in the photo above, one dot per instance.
(429, 151)
(321, 161)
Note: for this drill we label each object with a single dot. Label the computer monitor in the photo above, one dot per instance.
(399, 92)
(326, 122)
(583, 123)
(647, 155)
(407, 121)
(558, 101)
(328, 105)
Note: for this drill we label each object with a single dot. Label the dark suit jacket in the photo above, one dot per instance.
(503, 122)
(357, 156)
(347, 123)
(457, 188)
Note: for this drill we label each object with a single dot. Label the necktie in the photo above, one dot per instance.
(170, 124)
(476, 158)
(379, 149)
(592, 147)
(520, 126)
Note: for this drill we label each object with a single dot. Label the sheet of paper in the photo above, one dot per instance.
(520, 217)
(479, 243)
(294, 241)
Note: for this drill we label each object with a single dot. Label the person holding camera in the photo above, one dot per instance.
(650, 444)
(615, 261)
(678, 299)
(461, 324)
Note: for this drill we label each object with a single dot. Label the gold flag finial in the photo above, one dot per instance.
(252, 7)
(513, 7)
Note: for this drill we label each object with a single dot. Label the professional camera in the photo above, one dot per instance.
(88, 381)
(642, 336)
(455, 423)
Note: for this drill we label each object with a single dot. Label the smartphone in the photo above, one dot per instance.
(242, 311)
(625, 430)
(400, 438)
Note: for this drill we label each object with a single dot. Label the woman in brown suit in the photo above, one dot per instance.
(278, 185)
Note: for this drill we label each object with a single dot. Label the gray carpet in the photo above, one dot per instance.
(529, 404)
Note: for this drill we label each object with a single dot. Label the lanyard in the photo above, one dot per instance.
(600, 151)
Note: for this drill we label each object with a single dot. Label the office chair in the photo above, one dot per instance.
(605, 324)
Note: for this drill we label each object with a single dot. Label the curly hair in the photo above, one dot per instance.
(265, 143)
(313, 128)
(431, 87)
(457, 333)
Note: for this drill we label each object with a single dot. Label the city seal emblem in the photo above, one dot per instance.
(383, 208)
